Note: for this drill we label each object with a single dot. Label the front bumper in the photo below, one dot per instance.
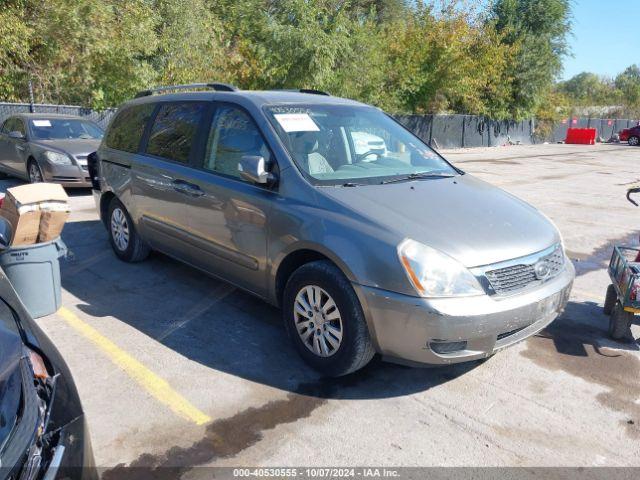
(66, 175)
(406, 329)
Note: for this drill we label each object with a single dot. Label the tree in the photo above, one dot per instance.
(538, 29)
(189, 43)
(588, 89)
(628, 82)
(448, 63)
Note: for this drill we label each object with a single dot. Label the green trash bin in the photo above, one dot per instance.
(34, 272)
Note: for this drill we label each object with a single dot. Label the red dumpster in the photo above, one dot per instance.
(581, 136)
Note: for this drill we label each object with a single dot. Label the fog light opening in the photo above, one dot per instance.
(447, 347)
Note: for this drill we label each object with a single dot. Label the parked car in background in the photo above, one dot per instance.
(384, 248)
(43, 432)
(368, 145)
(631, 135)
(48, 148)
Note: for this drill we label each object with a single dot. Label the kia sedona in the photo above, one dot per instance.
(367, 239)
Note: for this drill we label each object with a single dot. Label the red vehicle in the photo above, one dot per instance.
(631, 135)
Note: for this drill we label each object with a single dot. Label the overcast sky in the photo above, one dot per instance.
(606, 37)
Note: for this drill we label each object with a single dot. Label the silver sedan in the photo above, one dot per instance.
(48, 148)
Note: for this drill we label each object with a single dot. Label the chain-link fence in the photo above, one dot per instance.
(439, 131)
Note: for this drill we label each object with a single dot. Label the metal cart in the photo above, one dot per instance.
(622, 300)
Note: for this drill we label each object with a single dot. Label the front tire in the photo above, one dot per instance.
(324, 320)
(634, 141)
(124, 238)
(610, 300)
(620, 323)
(35, 173)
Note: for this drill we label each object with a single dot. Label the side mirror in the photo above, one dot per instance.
(16, 134)
(254, 169)
(6, 231)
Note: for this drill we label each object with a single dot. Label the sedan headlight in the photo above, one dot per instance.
(58, 158)
(434, 274)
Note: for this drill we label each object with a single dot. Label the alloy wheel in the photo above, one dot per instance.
(634, 141)
(35, 175)
(120, 229)
(318, 321)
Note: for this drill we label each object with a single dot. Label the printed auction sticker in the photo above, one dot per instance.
(296, 122)
(41, 123)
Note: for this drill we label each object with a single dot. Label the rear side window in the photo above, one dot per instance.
(127, 128)
(174, 130)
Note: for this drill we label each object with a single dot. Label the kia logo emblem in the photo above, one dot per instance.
(541, 270)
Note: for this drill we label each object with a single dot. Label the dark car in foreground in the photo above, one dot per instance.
(48, 148)
(43, 433)
(368, 239)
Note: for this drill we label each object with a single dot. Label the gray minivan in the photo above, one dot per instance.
(367, 239)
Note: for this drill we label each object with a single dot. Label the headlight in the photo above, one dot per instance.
(58, 158)
(434, 274)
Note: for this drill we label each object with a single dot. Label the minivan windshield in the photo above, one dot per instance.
(350, 145)
(64, 129)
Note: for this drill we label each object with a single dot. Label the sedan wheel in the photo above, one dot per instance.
(119, 229)
(35, 175)
(318, 321)
(634, 141)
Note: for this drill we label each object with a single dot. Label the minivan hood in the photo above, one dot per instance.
(75, 147)
(464, 217)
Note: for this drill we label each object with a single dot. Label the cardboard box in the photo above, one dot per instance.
(53, 216)
(23, 208)
(25, 227)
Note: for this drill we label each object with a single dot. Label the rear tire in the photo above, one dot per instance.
(634, 140)
(324, 320)
(124, 238)
(610, 300)
(620, 323)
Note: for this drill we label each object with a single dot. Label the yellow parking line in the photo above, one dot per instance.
(155, 385)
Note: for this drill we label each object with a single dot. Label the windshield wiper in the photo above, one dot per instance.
(417, 176)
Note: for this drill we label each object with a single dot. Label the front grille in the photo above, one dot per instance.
(533, 269)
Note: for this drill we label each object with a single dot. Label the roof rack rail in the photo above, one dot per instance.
(311, 91)
(216, 86)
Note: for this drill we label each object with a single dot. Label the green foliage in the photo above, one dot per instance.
(588, 89)
(498, 59)
(628, 83)
(592, 93)
(538, 29)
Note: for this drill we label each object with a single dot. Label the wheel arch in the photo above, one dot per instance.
(105, 200)
(297, 257)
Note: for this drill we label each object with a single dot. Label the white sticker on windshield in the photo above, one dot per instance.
(41, 123)
(296, 122)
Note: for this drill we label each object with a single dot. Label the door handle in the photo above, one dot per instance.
(187, 188)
